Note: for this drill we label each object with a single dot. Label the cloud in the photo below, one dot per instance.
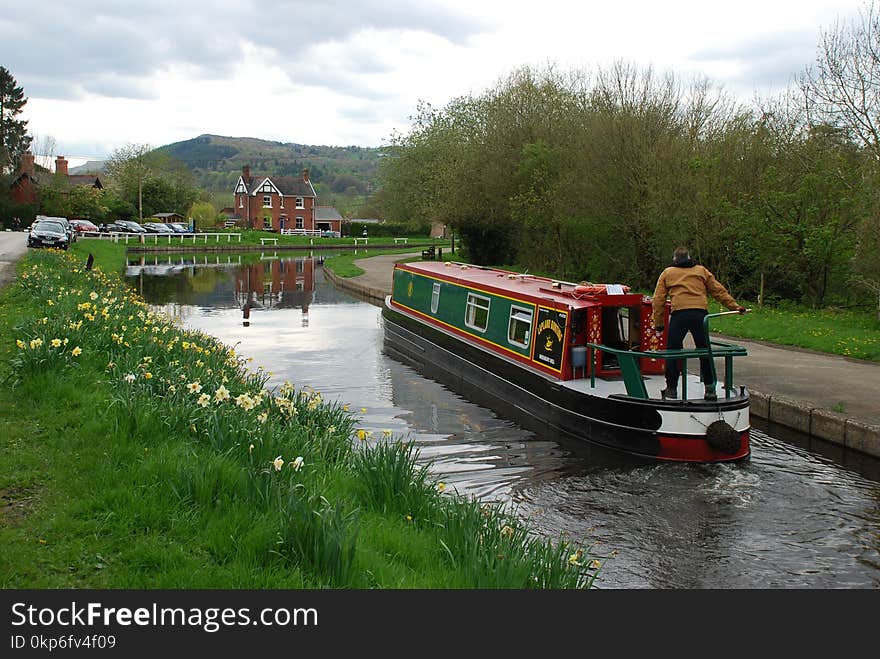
(103, 47)
(768, 61)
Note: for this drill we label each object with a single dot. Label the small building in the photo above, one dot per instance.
(327, 218)
(168, 217)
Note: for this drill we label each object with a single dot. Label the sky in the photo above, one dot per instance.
(100, 74)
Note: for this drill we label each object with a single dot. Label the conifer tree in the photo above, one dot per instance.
(14, 139)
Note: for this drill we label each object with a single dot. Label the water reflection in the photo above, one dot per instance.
(787, 518)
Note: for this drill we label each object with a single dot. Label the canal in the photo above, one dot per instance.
(789, 517)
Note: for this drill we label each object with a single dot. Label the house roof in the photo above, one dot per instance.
(85, 179)
(167, 215)
(72, 179)
(327, 213)
(289, 186)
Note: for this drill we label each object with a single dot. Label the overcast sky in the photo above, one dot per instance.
(103, 73)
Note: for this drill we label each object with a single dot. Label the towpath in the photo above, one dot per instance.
(826, 396)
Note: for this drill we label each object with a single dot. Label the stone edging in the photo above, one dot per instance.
(816, 422)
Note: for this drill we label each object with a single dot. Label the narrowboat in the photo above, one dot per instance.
(563, 359)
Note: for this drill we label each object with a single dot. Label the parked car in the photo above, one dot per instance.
(131, 227)
(177, 227)
(48, 233)
(63, 221)
(83, 226)
(156, 227)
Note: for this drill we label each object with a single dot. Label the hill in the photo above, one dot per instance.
(217, 161)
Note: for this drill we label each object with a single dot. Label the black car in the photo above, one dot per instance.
(48, 233)
(157, 227)
(131, 227)
(177, 227)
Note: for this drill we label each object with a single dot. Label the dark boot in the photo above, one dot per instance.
(669, 392)
(710, 393)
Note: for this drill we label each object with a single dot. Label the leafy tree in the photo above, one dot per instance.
(128, 168)
(204, 213)
(14, 139)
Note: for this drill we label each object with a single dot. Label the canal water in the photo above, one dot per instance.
(789, 517)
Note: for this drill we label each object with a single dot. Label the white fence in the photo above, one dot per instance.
(156, 237)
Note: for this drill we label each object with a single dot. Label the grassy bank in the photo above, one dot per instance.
(251, 237)
(134, 454)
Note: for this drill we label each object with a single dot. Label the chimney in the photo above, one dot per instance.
(246, 173)
(306, 175)
(26, 166)
(61, 166)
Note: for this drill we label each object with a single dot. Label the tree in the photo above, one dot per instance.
(129, 167)
(14, 139)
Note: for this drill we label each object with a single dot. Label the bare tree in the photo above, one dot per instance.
(842, 88)
(43, 147)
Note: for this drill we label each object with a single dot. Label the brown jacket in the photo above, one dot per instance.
(687, 286)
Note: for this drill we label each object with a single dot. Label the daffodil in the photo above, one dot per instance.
(221, 394)
(129, 377)
(76, 352)
(204, 400)
(36, 343)
(441, 487)
(297, 463)
(361, 434)
(21, 344)
(278, 463)
(148, 376)
(194, 387)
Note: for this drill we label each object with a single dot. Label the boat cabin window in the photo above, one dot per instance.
(477, 312)
(435, 297)
(520, 326)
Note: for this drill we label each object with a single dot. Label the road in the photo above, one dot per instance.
(13, 245)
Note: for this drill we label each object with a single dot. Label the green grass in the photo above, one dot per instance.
(840, 332)
(134, 454)
(342, 265)
(249, 238)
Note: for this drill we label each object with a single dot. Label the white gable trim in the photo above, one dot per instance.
(240, 187)
(258, 189)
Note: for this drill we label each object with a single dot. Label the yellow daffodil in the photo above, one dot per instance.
(441, 487)
(278, 463)
(222, 394)
(194, 387)
(76, 352)
(361, 434)
(21, 344)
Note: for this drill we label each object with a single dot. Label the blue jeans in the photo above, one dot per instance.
(680, 323)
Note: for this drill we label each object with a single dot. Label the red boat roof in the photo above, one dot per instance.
(542, 290)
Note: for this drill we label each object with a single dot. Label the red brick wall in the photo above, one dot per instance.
(290, 211)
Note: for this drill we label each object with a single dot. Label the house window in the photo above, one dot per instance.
(267, 201)
(299, 222)
(241, 201)
(476, 315)
(282, 201)
(300, 202)
(520, 326)
(435, 297)
(267, 222)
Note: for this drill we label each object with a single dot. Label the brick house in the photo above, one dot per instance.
(25, 185)
(276, 203)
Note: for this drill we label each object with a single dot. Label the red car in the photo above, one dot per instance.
(82, 226)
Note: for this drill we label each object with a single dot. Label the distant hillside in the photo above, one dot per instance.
(217, 161)
(90, 167)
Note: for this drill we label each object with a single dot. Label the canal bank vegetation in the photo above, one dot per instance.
(136, 454)
(598, 175)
